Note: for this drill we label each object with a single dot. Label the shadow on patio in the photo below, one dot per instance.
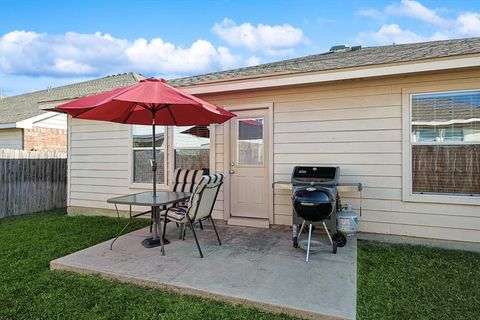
(253, 266)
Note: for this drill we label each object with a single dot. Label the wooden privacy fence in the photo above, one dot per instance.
(32, 181)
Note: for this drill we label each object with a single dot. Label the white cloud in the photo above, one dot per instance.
(253, 61)
(164, 57)
(389, 34)
(372, 13)
(75, 54)
(466, 24)
(416, 10)
(267, 39)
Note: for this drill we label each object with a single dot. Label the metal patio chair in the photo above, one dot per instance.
(200, 207)
(186, 180)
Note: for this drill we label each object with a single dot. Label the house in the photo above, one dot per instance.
(24, 126)
(403, 120)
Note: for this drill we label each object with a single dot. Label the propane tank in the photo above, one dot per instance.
(347, 220)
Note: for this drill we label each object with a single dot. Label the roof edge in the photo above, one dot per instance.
(286, 79)
(10, 125)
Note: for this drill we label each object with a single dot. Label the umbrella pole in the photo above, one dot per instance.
(154, 161)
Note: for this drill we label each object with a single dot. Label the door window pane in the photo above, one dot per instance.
(250, 144)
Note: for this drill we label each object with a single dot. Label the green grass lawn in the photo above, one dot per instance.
(395, 282)
(412, 282)
(29, 290)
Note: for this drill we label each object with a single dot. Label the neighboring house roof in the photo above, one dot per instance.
(367, 56)
(25, 106)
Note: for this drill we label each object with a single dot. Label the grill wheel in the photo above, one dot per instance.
(339, 239)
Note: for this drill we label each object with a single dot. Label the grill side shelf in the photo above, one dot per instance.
(341, 187)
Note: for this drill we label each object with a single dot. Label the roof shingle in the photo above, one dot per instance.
(367, 56)
(24, 106)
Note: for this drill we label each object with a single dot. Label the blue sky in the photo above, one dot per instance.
(51, 43)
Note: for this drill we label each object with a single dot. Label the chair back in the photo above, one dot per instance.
(203, 199)
(186, 180)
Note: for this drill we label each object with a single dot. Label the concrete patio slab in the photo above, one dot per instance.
(253, 266)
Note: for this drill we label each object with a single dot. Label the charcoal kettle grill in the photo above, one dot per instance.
(315, 202)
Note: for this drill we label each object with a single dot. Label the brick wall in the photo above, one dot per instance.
(39, 138)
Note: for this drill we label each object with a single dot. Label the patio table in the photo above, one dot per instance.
(161, 199)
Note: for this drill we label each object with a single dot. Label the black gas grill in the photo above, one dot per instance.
(315, 200)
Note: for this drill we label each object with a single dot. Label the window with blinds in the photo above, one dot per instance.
(445, 139)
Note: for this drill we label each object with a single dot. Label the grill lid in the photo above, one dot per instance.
(315, 175)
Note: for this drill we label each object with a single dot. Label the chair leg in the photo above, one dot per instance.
(200, 224)
(216, 232)
(164, 225)
(195, 236)
(181, 233)
(309, 239)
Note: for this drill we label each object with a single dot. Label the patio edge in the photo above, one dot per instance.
(56, 266)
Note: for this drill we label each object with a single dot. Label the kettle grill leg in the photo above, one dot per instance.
(309, 239)
(328, 233)
(301, 229)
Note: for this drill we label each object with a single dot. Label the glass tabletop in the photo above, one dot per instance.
(147, 199)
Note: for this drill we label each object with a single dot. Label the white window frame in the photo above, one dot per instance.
(169, 163)
(407, 181)
(144, 185)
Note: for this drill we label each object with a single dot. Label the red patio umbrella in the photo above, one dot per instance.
(249, 128)
(148, 102)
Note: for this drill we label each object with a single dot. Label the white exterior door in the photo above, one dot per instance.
(249, 161)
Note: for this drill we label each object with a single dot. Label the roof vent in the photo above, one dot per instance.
(340, 48)
(344, 48)
(355, 48)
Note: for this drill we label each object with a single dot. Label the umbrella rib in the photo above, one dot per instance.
(145, 106)
(171, 114)
(130, 113)
(83, 112)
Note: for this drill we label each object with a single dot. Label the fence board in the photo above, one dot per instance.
(31, 181)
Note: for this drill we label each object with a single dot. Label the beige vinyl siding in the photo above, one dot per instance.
(354, 124)
(11, 138)
(358, 126)
(56, 121)
(98, 163)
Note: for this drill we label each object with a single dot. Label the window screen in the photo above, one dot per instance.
(445, 137)
(142, 153)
